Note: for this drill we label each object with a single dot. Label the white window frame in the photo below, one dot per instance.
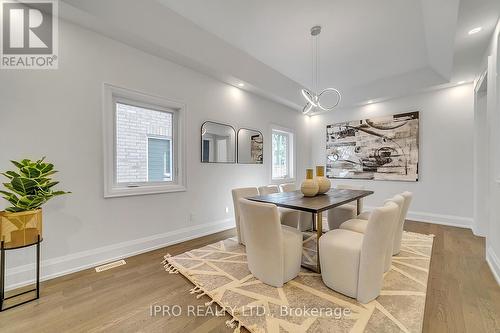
(291, 154)
(113, 94)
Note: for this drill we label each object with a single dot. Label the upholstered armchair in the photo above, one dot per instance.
(360, 225)
(305, 218)
(288, 217)
(408, 196)
(274, 251)
(268, 189)
(352, 263)
(238, 193)
(288, 187)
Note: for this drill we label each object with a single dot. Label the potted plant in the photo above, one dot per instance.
(29, 187)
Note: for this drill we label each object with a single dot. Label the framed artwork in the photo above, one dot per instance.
(383, 148)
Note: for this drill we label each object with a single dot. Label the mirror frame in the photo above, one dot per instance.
(238, 141)
(235, 143)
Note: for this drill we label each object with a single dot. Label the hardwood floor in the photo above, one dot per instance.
(462, 293)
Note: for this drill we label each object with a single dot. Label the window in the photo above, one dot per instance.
(141, 158)
(143, 144)
(282, 154)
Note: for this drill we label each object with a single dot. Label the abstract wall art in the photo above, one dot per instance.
(384, 148)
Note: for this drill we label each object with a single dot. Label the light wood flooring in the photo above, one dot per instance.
(462, 293)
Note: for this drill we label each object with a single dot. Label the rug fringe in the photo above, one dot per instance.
(201, 295)
(165, 258)
(231, 323)
(234, 322)
(171, 269)
(238, 329)
(195, 290)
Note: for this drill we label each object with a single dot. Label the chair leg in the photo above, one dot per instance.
(319, 233)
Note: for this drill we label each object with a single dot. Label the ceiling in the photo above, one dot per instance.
(361, 41)
(368, 49)
(469, 50)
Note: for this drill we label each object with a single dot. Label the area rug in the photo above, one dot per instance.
(305, 304)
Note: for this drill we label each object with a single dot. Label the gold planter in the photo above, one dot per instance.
(20, 229)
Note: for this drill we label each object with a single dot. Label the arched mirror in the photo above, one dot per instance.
(218, 143)
(250, 146)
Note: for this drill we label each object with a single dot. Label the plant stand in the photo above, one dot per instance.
(3, 252)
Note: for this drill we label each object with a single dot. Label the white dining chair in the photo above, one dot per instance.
(338, 215)
(289, 217)
(305, 219)
(352, 263)
(288, 187)
(360, 225)
(238, 193)
(398, 234)
(268, 189)
(274, 251)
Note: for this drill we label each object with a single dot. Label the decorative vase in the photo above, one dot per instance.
(309, 186)
(323, 182)
(20, 229)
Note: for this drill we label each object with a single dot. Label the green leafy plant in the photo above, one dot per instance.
(30, 186)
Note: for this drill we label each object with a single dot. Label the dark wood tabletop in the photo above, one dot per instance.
(296, 200)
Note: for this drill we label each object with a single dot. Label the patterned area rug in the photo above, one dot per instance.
(305, 304)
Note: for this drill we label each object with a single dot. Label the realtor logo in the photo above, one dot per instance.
(29, 34)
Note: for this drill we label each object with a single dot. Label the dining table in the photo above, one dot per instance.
(316, 206)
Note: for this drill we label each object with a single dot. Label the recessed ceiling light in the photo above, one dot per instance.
(460, 82)
(241, 84)
(370, 101)
(475, 30)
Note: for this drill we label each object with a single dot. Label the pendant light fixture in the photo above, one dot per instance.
(312, 97)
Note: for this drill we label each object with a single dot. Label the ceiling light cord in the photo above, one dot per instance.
(316, 45)
(313, 65)
(312, 97)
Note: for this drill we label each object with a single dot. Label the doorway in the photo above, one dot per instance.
(481, 157)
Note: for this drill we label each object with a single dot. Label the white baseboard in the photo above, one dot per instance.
(448, 220)
(476, 232)
(494, 263)
(51, 268)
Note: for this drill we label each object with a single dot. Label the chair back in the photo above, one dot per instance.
(373, 251)
(269, 189)
(290, 187)
(396, 248)
(264, 241)
(238, 193)
(399, 201)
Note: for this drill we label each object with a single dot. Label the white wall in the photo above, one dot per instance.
(58, 114)
(491, 61)
(443, 193)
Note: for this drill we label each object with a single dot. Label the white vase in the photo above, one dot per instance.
(309, 186)
(323, 182)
